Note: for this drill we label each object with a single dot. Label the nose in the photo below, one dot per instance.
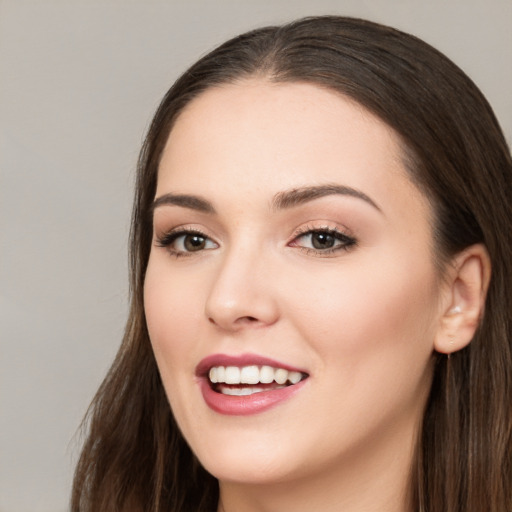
(241, 295)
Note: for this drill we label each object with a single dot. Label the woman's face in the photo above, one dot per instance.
(290, 246)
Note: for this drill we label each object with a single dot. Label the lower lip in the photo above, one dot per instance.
(249, 404)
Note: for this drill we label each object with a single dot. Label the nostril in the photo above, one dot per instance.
(241, 320)
(247, 319)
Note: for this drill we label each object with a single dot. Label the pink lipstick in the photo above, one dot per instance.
(246, 384)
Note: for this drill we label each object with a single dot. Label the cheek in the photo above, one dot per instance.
(173, 312)
(372, 335)
(374, 312)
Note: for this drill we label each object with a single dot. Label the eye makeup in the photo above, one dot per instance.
(185, 241)
(322, 241)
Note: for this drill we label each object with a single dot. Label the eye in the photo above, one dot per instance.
(323, 241)
(184, 242)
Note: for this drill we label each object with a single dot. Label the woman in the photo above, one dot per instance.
(313, 324)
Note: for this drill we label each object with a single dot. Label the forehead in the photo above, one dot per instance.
(261, 136)
(296, 110)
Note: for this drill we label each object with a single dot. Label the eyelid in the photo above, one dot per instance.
(323, 226)
(344, 235)
(167, 238)
(344, 240)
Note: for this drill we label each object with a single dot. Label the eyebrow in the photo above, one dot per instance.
(185, 201)
(281, 201)
(298, 196)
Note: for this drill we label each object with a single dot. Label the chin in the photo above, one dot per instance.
(247, 465)
(250, 473)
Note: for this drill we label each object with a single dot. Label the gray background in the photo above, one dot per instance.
(79, 81)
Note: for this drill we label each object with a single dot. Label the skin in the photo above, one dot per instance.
(362, 321)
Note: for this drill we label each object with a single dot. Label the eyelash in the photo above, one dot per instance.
(347, 242)
(167, 240)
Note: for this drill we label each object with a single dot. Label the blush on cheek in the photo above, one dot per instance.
(347, 318)
(158, 308)
(172, 316)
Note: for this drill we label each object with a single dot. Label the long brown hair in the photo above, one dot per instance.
(134, 457)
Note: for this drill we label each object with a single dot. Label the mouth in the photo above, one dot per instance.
(247, 383)
(248, 380)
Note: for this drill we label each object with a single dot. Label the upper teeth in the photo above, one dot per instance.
(252, 375)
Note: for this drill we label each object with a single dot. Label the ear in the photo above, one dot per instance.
(463, 300)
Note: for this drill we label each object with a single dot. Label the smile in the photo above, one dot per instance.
(230, 380)
(235, 388)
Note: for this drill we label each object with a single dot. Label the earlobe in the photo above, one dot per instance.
(467, 282)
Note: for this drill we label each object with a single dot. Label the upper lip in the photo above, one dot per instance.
(208, 362)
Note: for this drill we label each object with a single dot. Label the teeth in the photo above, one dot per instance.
(294, 377)
(240, 391)
(232, 375)
(281, 375)
(252, 375)
(266, 374)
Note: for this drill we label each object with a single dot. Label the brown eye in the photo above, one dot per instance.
(186, 242)
(322, 240)
(194, 242)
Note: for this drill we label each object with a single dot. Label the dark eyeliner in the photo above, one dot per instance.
(170, 237)
(347, 242)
